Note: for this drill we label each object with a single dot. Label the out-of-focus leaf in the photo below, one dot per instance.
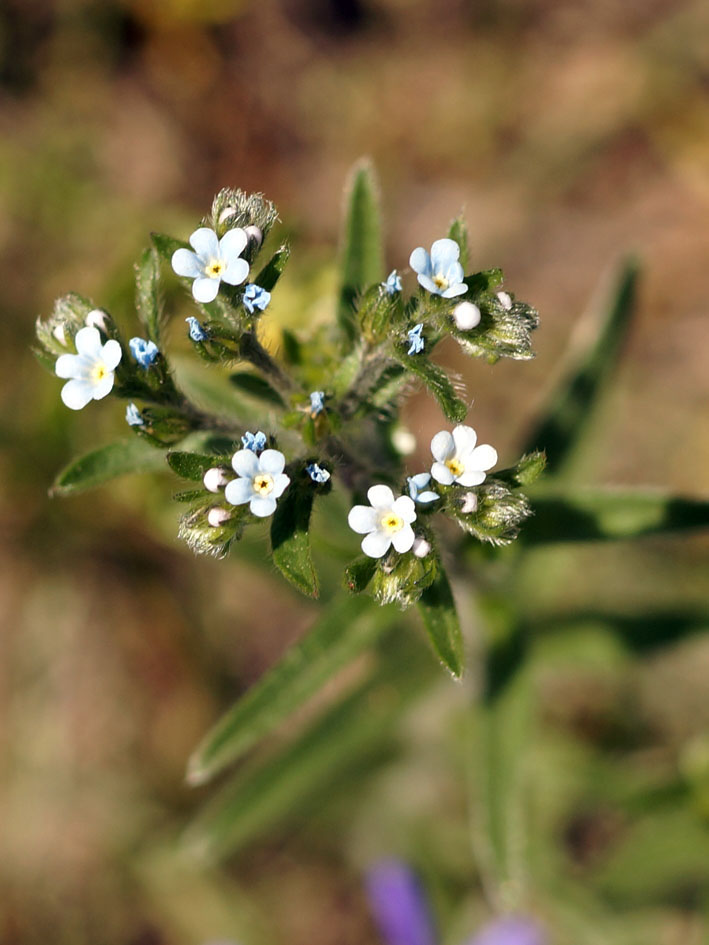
(256, 386)
(290, 541)
(347, 628)
(191, 466)
(440, 619)
(359, 573)
(438, 383)
(362, 254)
(610, 514)
(166, 245)
(562, 423)
(272, 271)
(148, 302)
(106, 463)
(459, 232)
(639, 632)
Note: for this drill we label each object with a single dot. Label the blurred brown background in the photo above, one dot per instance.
(569, 132)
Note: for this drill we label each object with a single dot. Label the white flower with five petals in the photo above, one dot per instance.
(384, 522)
(213, 261)
(261, 481)
(458, 459)
(90, 370)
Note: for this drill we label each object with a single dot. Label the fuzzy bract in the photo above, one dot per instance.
(90, 370)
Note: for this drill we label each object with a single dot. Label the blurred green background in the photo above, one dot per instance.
(568, 133)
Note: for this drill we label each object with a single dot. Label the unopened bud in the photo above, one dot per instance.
(466, 316)
(404, 441)
(96, 319)
(505, 300)
(214, 479)
(58, 332)
(470, 503)
(226, 213)
(420, 547)
(255, 234)
(217, 516)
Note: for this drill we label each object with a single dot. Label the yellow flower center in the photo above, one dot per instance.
(392, 523)
(263, 483)
(455, 466)
(98, 372)
(441, 282)
(214, 269)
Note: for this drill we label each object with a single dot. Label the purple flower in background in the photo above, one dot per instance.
(510, 930)
(399, 905)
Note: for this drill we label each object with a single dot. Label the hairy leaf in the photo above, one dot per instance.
(290, 541)
(273, 270)
(106, 463)
(440, 619)
(438, 383)
(148, 302)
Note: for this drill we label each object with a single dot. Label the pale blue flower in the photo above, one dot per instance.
(255, 297)
(254, 441)
(458, 459)
(415, 339)
(317, 402)
(134, 418)
(214, 260)
(418, 483)
(384, 522)
(440, 272)
(143, 351)
(260, 481)
(393, 283)
(90, 370)
(317, 473)
(197, 332)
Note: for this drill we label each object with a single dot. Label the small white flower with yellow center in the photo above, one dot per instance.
(213, 261)
(90, 370)
(458, 459)
(261, 481)
(384, 522)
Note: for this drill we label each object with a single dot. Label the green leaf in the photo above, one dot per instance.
(106, 463)
(166, 245)
(438, 383)
(256, 386)
(359, 573)
(192, 466)
(610, 514)
(344, 631)
(290, 541)
(440, 619)
(148, 302)
(563, 422)
(272, 271)
(362, 255)
(292, 348)
(458, 231)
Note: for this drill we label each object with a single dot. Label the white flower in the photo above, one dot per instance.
(91, 369)
(214, 260)
(384, 522)
(466, 316)
(261, 481)
(421, 547)
(458, 459)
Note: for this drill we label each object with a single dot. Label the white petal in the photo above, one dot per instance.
(263, 505)
(454, 290)
(362, 519)
(404, 506)
(428, 284)
(280, 484)
(272, 462)
(380, 497)
(111, 354)
(454, 274)
(421, 479)
(232, 244)
(465, 439)
(205, 243)
(102, 388)
(88, 342)
(376, 544)
(205, 290)
(238, 491)
(443, 253)
(441, 473)
(420, 261)
(76, 394)
(482, 457)
(442, 446)
(185, 263)
(403, 539)
(245, 463)
(471, 477)
(425, 497)
(236, 272)
(68, 365)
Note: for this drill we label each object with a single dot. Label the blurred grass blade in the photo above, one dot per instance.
(561, 426)
(362, 253)
(273, 270)
(347, 628)
(106, 463)
(290, 539)
(439, 384)
(437, 608)
(639, 632)
(610, 514)
(148, 301)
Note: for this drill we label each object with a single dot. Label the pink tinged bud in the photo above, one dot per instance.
(217, 516)
(58, 332)
(505, 300)
(215, 479)
(255, 234)
(470, 503)
(420, 547)
(226, 213)
(466, 316)
(96, 319)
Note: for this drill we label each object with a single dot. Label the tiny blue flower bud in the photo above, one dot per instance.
(133, 416)
(416, 339)
(417, 488)
(197, 332)
(254, 441)
(393, 283)
(317, 402)
(255, 297)
(317, 473)
(143, 351)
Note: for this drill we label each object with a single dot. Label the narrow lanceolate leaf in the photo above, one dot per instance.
(148, 302)
(290, 539)
(362, 254)
(106, 463)
(563, 422)
(440, 619)
(192, 466)
(610, 514)
(459, 232)
(257, 387)
(272, 271)
(438, 383)
(347, 628)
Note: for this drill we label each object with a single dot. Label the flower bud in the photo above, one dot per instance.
(96, 319)
(226, 213)
(404, 441)
(470, 503)
(466, 316)
(217, 516)
(505, 300)
(214, 479)
(59, 334)
(255, 234)
(421, 547)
